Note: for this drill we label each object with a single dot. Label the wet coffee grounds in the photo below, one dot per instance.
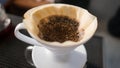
(58, 28)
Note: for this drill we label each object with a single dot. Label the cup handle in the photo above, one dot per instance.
(23, 37)
(28, 55)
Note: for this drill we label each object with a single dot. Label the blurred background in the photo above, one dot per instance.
(107, 12)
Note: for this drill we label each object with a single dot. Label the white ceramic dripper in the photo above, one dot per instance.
(55, 50)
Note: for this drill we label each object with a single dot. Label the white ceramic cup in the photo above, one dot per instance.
(52, 56)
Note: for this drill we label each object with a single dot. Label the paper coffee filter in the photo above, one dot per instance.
(87, 21)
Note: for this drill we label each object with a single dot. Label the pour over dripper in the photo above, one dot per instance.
(87, 21)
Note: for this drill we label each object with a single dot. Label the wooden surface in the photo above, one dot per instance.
(19, 7)
(30, 3)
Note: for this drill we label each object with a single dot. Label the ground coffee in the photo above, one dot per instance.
(58, 28)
